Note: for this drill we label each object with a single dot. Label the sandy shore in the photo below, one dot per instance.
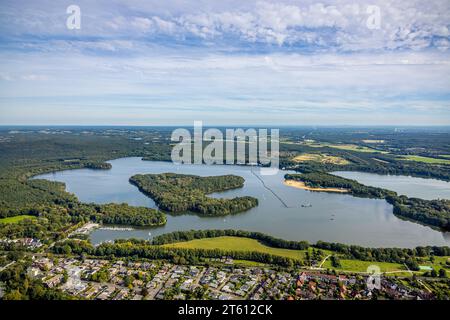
(301, 185)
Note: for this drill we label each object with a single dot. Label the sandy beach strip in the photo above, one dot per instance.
(302, 185)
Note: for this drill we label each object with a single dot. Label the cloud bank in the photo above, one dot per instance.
(252, 62)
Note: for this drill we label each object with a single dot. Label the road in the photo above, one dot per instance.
(7, 266)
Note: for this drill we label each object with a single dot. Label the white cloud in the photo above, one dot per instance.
(222, 58)
(329, 25)
(34, 77)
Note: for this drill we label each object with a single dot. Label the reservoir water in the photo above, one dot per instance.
(412, 187)
(283, 211)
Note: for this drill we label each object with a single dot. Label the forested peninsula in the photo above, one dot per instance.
(181, 193)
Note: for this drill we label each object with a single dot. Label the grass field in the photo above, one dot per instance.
(361, 266)
(439, 263)
(426, 159)
(237, 244)
(248, 263)
(321, 158)
(246, 244)
(16, 219)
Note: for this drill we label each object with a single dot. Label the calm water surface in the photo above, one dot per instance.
(428, 189)
(332, 217)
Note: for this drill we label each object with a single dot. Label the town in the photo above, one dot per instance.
(220, 279)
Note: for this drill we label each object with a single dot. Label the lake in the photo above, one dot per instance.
(412, 187)
(331, 217)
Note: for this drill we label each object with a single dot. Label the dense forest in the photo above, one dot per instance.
(29, 153)
(128, 215)
(25, 153)
(430, 212)
(98, 165)
(180, 193)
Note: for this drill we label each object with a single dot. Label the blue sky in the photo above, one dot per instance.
(225, 62)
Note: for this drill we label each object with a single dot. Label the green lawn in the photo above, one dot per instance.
(16, 219)
(247, 263)
(237, 244)
(361, 266)
(426, 159)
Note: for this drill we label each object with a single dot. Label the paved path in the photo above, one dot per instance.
(7, 266)
(320, 266)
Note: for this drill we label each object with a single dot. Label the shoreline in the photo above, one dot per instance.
(302, 185)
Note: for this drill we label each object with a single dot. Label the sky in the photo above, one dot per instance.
(227, 62)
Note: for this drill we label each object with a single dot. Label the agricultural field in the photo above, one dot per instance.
(343, 146)
(426, 159)
(349, 147)
(16, 219)
(320, 158)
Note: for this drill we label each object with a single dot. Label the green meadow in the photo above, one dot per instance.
(426, 159)
(16, 219)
